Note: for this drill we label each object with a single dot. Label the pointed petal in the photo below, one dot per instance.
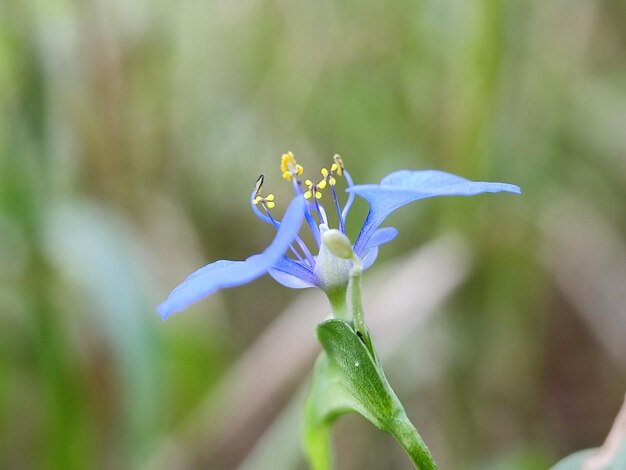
(402, 187)
(380, 237)
(224, 273)
(291, 273)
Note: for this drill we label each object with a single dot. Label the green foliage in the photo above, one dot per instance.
(348, 378)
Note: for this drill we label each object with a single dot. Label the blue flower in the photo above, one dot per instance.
(303, 269)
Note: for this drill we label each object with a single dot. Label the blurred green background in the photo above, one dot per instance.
(131, 135)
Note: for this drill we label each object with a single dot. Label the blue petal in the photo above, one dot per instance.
(224, 273)
(380, 237)
(369, 257)
(291, 273)
(370, 252)
(402, 187)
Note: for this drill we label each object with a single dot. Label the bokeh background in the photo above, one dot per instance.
(131, 135)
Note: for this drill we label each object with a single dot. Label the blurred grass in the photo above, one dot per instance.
(131, 133)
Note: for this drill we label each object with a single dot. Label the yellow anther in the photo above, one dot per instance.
(289, 166)
(338, 165)
(285, 160)
(328, 176)
(267, 201)
(313, 190)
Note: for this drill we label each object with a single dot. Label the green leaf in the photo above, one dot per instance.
(348, 378)
(359, 372)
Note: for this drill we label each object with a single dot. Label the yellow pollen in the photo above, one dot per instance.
(267, 201)
(328, 176)
(289, 166)
(313, 190)
(285, 160)
(338, 165)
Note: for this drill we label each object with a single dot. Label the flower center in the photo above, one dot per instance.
(315, 214)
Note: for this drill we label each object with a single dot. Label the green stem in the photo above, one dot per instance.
(408, 437)
(319, 451)
(391, 419)
(338, 304)
(356, 277)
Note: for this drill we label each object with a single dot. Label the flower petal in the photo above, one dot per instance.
(402, 187)
(369, 257)
(291, 273)
(224, 273)
(380, 237)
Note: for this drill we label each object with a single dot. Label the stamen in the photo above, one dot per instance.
(291, 170)
(337, 168)
(323, 214)
(315, 194)
(318, 209)
(298, 240)
(268, 203)
(277, 226)
(313, 190)
(328, 176)
(255, 199)
(258, 185)
(338, 165)
(289, 166)
(342, 226)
